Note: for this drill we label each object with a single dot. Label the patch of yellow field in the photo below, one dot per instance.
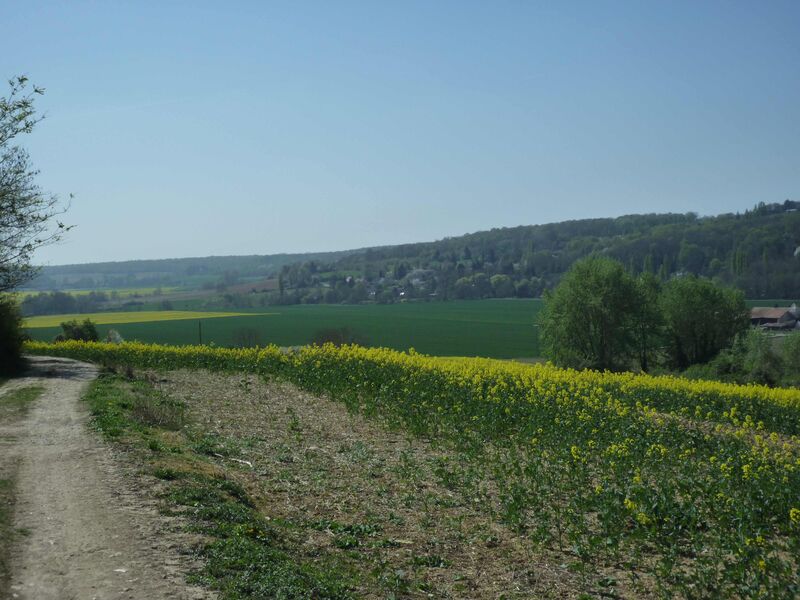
(144, 316)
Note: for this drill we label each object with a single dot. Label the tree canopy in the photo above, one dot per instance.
(588, 320)
(601, 317)
(701, 318)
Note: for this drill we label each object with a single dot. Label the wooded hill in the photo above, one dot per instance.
(757, 251)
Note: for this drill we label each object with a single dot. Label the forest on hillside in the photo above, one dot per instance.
(757, 251)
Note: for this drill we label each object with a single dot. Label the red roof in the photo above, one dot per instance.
(765, 312)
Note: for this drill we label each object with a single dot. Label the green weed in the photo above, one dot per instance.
(14, 404)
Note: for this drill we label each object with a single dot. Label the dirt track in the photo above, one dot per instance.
(89, 534)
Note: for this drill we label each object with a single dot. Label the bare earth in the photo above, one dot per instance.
(88, 534)
(314, 461)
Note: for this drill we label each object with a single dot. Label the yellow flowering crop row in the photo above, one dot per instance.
(606, 464)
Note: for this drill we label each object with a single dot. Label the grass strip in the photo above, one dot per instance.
(13, 407)
(15, 404)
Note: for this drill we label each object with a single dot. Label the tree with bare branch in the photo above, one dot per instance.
(28, 215)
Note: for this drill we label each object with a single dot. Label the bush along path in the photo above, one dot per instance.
(80, 530)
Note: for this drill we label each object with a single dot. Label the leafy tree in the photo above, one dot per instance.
(84, 331)
(522, 289)
(464, 289)
(790, 354)
(338, 337)
(384, 296)
(648, 320)
(26, 212)
(502, 285)
(482, 284)
(359, 293)
(589, 320)
(762, 362)
(331, 296)
(246, 337)
(701, 318)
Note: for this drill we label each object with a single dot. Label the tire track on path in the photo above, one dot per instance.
(88, 534)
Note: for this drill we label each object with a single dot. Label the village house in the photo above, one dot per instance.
(775, 318)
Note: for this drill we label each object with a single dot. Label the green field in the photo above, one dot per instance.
(772, 302)
(491, 328)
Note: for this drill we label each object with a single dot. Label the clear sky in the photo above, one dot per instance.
(192, 129)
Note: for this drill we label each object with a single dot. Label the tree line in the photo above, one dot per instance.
(757, 251)
(600, 316)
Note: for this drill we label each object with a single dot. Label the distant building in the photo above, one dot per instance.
(774, 318)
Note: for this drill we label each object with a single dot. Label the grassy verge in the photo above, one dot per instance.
(12, 408)
(245, 555)
(15, 404)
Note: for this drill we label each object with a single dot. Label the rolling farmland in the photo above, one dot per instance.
(491, 328)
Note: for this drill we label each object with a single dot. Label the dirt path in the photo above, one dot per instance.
(87, 535)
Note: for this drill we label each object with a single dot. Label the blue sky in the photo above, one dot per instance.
(191, 129)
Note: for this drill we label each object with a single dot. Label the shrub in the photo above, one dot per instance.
(702, 318)
(790, 352)
(11, 337)
(338, 337)
(762, 363)
(753, 358)
(246, 337)
(113, 337)
(84, 331)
